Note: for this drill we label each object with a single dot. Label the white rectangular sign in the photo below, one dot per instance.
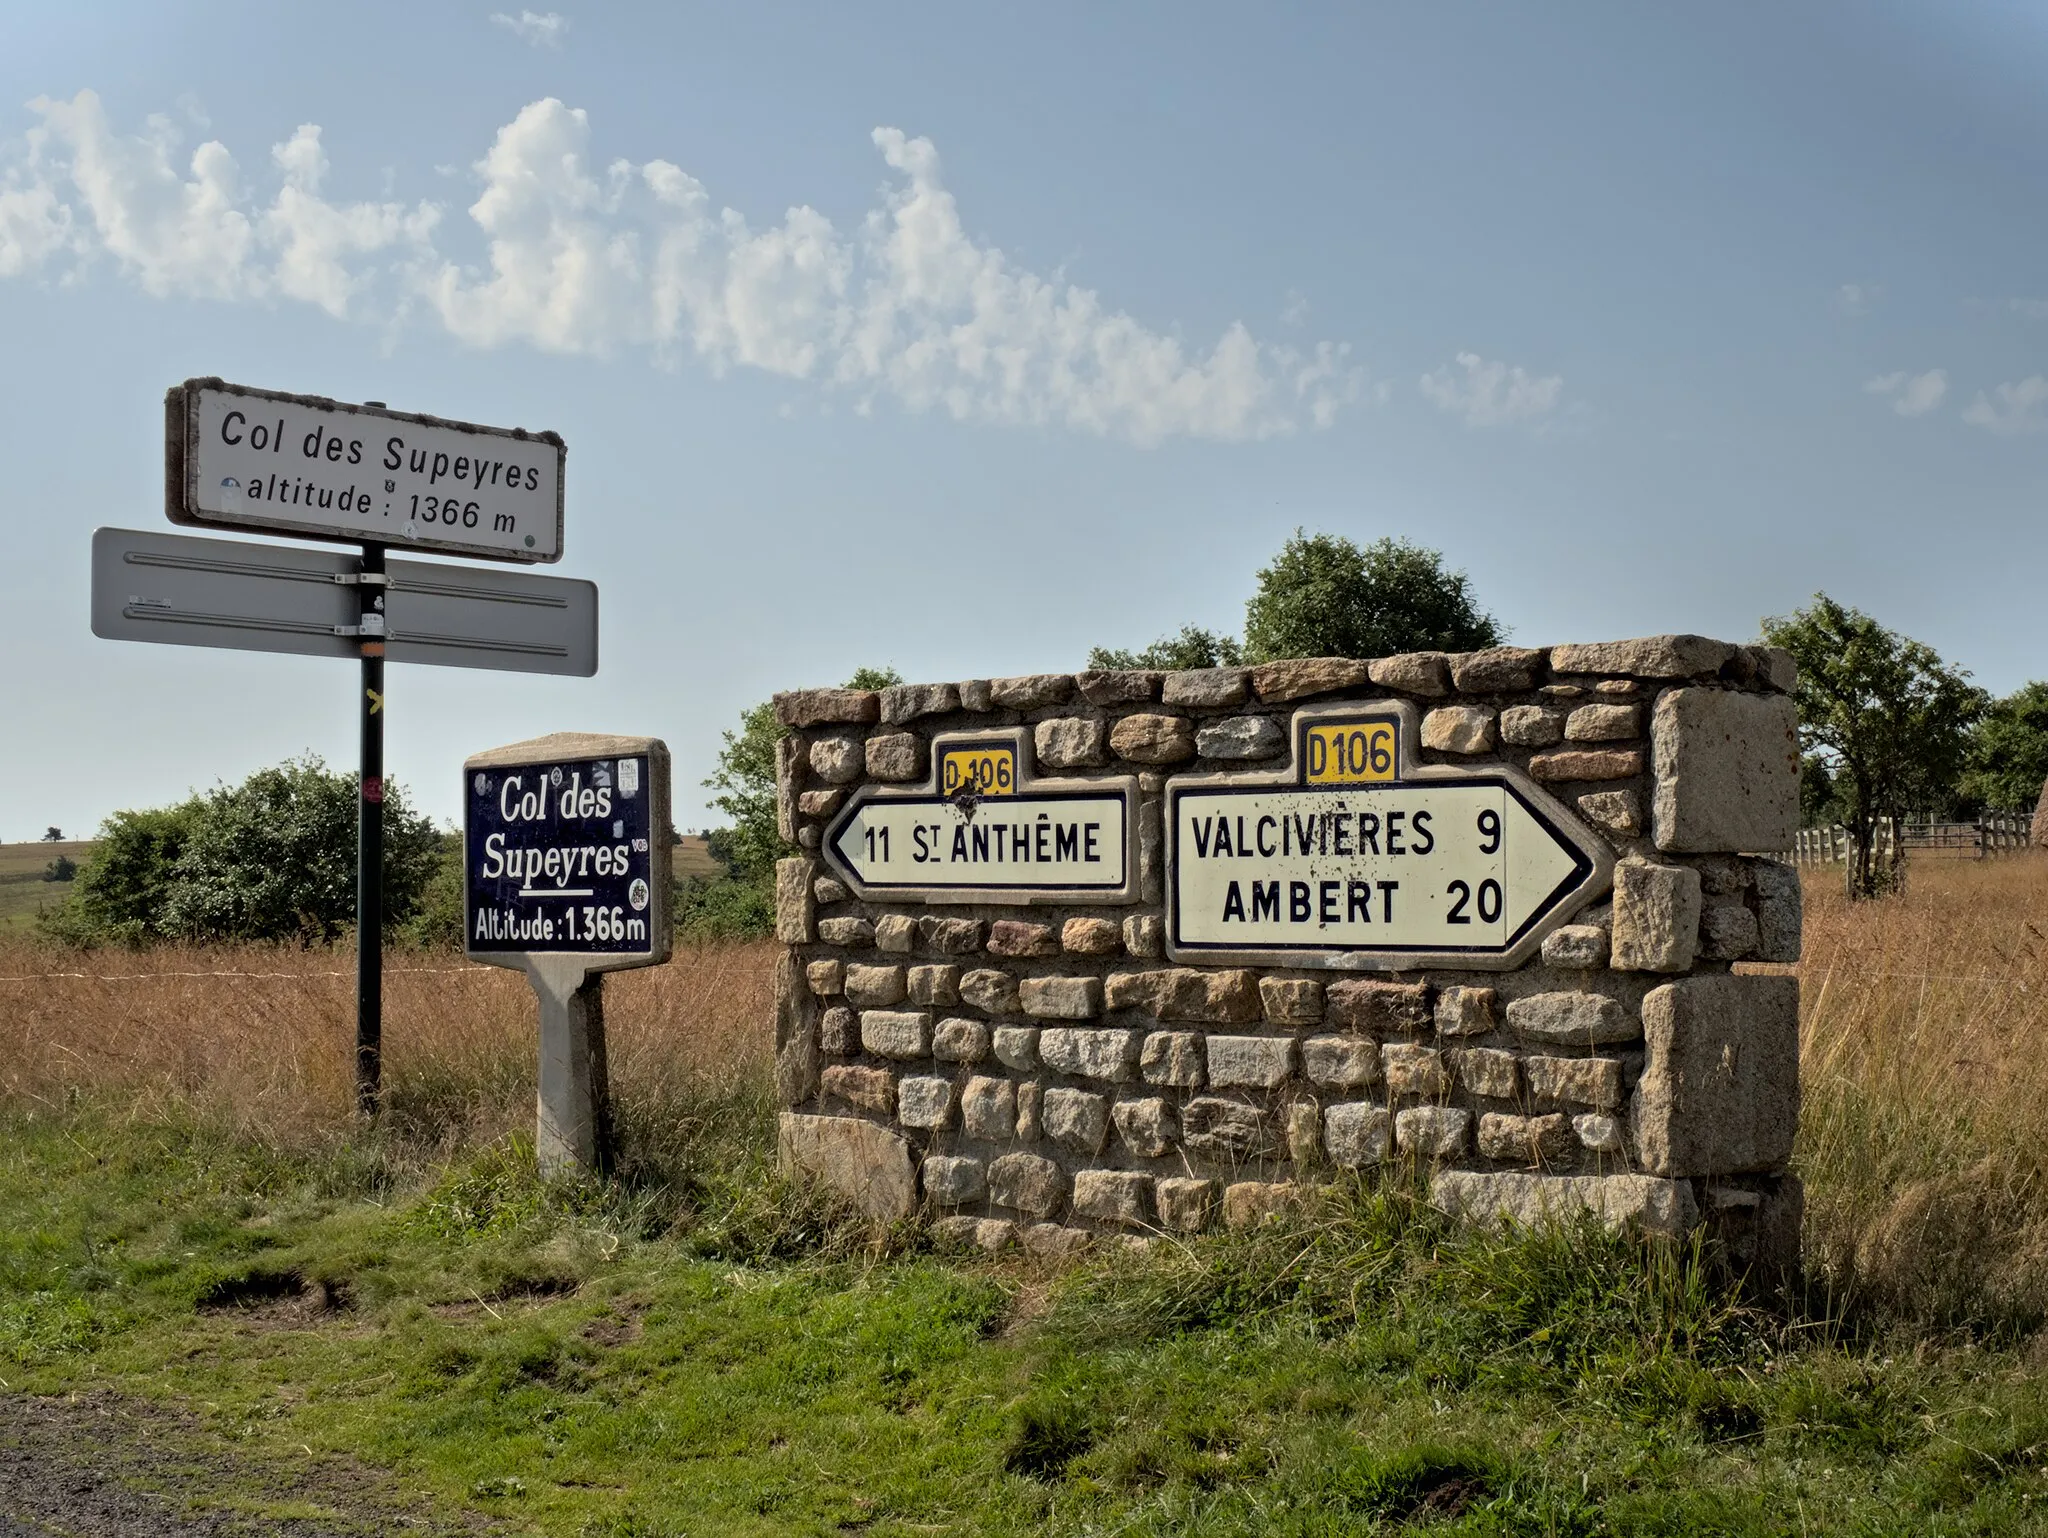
(1059, 841)
(566, 856)
(180, 590)
(1448, 868)
(306, 466)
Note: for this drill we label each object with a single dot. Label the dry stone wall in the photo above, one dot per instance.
(1036, 1070)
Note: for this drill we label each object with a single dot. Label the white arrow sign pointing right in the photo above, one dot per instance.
(1454, 869)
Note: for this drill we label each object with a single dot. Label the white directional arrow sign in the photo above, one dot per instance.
(1027, 842)
(1437, 867)
(1004, 837)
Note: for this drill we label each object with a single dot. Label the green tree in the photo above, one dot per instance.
(1323, 596)
(745, 781)
(2008, 757)
(1194, 647)
(752, 842)
(1884, 717)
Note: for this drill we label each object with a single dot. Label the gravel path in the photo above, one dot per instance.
(104, 1467)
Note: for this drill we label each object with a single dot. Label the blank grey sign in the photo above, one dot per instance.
(178, 590)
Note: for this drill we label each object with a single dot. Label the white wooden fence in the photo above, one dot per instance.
(1992, 834)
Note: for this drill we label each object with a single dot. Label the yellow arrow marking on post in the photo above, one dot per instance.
(376, 700)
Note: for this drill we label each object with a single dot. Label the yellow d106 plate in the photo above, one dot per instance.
(978, 769)
(1350, 753)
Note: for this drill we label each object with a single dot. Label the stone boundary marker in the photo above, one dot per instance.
(1503, 949)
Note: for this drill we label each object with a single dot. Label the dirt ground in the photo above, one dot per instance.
(103, 1467)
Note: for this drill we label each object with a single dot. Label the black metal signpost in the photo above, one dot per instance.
(265, 461)
(371, 583)
(566, 859)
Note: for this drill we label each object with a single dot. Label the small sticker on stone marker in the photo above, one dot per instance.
(482, 784)
(629, 776)
(636, 894)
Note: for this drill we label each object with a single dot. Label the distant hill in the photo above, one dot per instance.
(22, 887)
(693, 857)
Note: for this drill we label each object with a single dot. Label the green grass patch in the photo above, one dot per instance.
(697, 1347)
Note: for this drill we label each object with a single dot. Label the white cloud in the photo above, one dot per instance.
(1911, 395)
(2033, 309)
(567, 256)
(185, 226)
(2011, 408)
(34, 227)
(175, 230)
(315, 239)
(541, 29)
(1488, 394)
(1857, 298)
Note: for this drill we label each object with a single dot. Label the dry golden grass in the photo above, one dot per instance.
(1925, 1066)
(260, 1039)
(1925, 1070)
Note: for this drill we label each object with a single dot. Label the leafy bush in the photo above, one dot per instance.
(119, 897)
(1194, 647)
(436, 924)
(273, 858)
(725, 908)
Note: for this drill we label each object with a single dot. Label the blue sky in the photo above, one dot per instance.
(961, 341)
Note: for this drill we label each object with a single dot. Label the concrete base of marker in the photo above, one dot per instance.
(572, 1131)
